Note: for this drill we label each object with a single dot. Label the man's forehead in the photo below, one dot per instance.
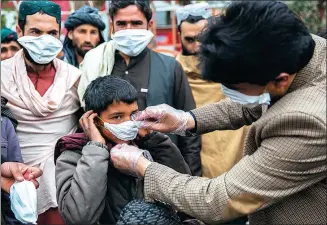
(130, 13)
(86, 27)
(193, 29)
(42, 21)
(7, 45)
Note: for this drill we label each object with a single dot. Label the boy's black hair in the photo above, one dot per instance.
(190, 19)
(103, 91)
(254, 42)
(143, 5)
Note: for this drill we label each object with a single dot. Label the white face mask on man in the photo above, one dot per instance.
(42, 49)
(247, 100)
(132, 42)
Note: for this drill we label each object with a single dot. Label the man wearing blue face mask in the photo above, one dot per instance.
(274, 73)
(41, 95)
(157, 78)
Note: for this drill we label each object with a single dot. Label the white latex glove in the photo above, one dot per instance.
(165, 119)
(125, 158)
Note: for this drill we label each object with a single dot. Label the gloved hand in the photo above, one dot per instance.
(125, 158)
(165, 119)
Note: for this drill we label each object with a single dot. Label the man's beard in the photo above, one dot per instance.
(186, 52)
(30, 59)
(82, 52)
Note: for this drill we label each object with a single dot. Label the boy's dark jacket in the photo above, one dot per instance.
(121, 188)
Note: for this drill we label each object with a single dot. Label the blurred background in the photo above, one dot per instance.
(166, 38)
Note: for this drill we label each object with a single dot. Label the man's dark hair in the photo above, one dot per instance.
(190, 19)
(22, 23)
(323, 33)
(103, 91)
(143, 5)
(254, 42)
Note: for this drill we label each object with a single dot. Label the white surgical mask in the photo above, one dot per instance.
(125, 131)
(247, 100)
(43, 49)
(24, 201)
(132, 42)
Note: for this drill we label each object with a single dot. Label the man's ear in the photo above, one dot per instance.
(111, 27)
(283, 80)
(70, 35)
(150, 25)
(98, 121)
(19, 31)
(281, 83)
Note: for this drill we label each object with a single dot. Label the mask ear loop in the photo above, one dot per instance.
(102, 121)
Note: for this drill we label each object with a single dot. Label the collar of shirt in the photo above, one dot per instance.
(46, 70)
(133, 59)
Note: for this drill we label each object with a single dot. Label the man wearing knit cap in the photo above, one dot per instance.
(84, 28)
(9, 44)
(220, 149)
(42, 96)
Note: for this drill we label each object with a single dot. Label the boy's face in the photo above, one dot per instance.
(116, 113)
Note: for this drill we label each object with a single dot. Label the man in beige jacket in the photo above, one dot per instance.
(220, 149)
(274, 72)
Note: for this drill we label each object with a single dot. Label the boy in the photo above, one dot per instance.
(89, 188)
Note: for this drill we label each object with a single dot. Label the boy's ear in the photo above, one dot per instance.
(97, 121)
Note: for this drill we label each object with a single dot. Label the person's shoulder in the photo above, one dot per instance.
(67, 65)
(4, 122)
(98, 51)
(163, 56)
(320, 41)
(6, 66)
(70, 145)
(306, 102)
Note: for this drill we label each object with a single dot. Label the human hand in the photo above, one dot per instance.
(143, 132)
(13, 171)
(87, 124)
(129, 160)
(166, 119)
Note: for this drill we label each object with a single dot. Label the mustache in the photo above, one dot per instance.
(87, 45)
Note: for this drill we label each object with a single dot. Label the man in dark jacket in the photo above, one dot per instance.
(157, 78)
(89, 188)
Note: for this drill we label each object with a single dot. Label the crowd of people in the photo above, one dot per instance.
(231, 130)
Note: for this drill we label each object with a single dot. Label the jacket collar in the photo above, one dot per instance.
(314, 73)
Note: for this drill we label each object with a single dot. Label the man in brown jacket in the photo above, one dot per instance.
(274, 72)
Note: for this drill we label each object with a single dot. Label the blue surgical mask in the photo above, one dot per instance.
(23, 201)
(43, 49)
(247, 100)
(132, 42)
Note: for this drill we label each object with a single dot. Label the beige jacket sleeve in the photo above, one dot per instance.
(225, 115)
(281, 166)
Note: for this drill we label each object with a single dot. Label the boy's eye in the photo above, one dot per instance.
(116, 117)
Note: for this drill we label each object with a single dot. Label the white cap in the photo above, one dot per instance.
(197, 9)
